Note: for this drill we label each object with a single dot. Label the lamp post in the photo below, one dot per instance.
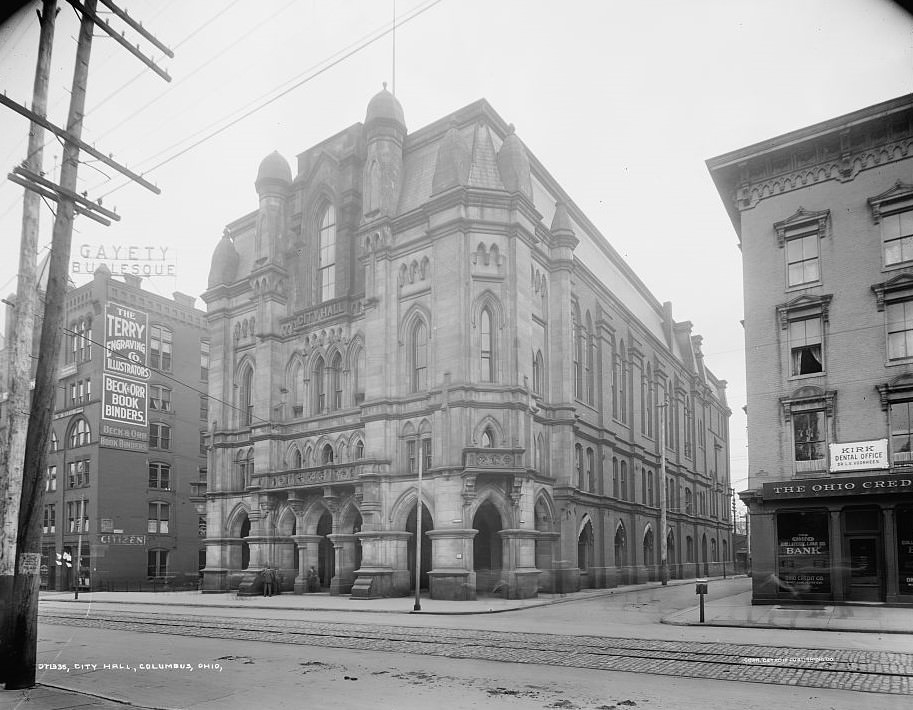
(663, 562)
(418, 530)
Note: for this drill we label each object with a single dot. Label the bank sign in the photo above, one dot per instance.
(859, 456)
(125, 393)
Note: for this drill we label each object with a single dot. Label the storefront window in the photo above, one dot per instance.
(803, 556)
(904, 517)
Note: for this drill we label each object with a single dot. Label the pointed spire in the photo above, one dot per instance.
(484, 171)
(513, 164)
(561, 222)
(453, 161)
(224, 266)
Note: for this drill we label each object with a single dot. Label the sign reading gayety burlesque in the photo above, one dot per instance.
(125, 392)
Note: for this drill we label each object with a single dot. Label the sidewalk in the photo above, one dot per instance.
(734, 610)
(737, 610)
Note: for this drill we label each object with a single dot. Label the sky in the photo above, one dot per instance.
(622, 102)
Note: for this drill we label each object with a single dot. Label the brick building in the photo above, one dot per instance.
(434, 301)
(126, 454)
(824, 217)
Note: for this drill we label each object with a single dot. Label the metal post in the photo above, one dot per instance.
(82, 517)
(663, 562)
(418, 530)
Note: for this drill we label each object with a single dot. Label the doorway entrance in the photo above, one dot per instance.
(862, 558)
(427, 524)
(486, 547)
(326, 553)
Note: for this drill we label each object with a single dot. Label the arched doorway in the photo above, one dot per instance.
(326, 554)
(486, 547)
(649, 559)
(356, 528)
(245, 548)
(671, 562)
(585, 554)
(621, 553)
(427, 524)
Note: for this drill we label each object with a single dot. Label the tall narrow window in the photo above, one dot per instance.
(802, 259)
(204, 360)
(358, 376)
(156, 563)
(159, 514)
(488, 439)
(901, 427)
(578, 455)
(485, 358)
(336, 381)
(538, 368)
(622, 384)
(900, 329)
(624, 481)
(590, 345)
(160, 348)
(246, 397)
(805, 347)
(426, 453)
(320, 385)
(808, 431)
(897, 232)
(419, 357)
(590, 471)
(326, 277)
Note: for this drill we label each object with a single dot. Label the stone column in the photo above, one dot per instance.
(452, 576)
(384, 570)
(218, 561)
(835, 542)
(519, 573)
(308, 546)
(545, 561)
(344, 576)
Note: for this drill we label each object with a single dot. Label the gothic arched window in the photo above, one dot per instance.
(419, 357)
(486, 354)
(336, 382)
(320, 391)
(246, 397)
(326, 255)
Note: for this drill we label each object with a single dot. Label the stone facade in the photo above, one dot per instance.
(433, 303)
(825, 223)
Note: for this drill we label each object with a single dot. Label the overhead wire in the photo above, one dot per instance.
(359, 46)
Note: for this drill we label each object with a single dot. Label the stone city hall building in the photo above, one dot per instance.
(825, 222)
(434, 301)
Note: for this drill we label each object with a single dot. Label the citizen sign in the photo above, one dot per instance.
(816, 488)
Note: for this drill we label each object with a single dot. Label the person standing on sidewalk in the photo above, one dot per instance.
(266, 575)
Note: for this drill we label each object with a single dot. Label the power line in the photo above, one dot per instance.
(314, 74)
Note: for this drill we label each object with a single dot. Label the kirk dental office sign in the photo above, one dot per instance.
(121, 259)
(859, 455)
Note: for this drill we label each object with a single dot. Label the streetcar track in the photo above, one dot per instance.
(879, 672)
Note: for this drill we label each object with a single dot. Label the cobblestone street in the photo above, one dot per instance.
(868, 671)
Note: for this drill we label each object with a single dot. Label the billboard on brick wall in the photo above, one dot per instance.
(125, 392)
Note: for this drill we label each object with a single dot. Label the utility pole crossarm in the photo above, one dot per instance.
(66, 135)
(51, 195)
(121, 40)
(69, 194)
(122, 14)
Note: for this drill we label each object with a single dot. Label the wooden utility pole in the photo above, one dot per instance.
(12, 452)
(20, 642)
(24, 626)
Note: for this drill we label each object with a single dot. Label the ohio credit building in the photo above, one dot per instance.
(824, 217)
(434, 300)
(126, 465)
